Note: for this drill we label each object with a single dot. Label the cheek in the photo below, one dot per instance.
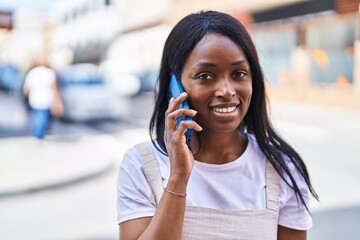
(245, 91)
(245, 95)
(195, 101)
(197, 97)
(249, 92)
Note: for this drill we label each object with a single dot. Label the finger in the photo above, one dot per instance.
(181, 112)
(173, 105)
(170, 123)
(168, 111)
(172, 113)
(172, 118)
(170, 102)
(187, 124)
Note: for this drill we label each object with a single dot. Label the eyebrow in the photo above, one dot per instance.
(241, 62)
(205, 64)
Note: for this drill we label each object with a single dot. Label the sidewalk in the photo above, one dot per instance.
(66, 157)
(28, 166)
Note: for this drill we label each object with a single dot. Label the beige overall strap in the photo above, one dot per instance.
(272, 187)
(151, 169)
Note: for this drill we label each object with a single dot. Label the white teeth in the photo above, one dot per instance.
(224, 110)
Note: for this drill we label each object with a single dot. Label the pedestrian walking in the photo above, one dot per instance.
(43, 97)
(236, 178)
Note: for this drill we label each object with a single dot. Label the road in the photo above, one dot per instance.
(327, 138)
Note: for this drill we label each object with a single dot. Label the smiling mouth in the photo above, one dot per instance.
(224, 110)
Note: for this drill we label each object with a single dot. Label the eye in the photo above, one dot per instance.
(239, 74)
(204, 76)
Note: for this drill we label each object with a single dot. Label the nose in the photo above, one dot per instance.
(225, 89)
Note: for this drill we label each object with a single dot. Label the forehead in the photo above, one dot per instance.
(216, 47)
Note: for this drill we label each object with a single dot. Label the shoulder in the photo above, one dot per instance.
(293, 214)
(134, 195)
(31, 74)
(36, 70)
(131, 171)
(290, 165)
(133, 157)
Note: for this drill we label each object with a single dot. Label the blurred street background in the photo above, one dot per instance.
(106, 55)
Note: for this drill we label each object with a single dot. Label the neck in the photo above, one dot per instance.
(218, 148)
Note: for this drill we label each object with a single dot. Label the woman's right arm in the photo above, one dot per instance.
(167, 222)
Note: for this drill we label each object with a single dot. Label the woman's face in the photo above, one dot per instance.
(217, 78)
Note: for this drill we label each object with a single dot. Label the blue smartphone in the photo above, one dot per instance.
(175, 89)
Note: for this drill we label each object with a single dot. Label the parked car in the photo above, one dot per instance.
(11, 78)
(87, 97)
(148, 80)
(123, 82)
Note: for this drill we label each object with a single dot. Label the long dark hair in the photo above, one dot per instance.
(178, 46)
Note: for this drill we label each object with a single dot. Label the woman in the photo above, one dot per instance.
(237, 179)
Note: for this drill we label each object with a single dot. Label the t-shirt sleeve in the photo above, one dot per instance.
(293, 214)
(134, 196)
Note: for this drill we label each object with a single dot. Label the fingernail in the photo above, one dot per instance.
(192, 110)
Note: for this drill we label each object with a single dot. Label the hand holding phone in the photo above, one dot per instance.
(175, 89)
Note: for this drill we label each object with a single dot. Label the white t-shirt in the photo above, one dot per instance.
(40, 81)
(238, 185)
